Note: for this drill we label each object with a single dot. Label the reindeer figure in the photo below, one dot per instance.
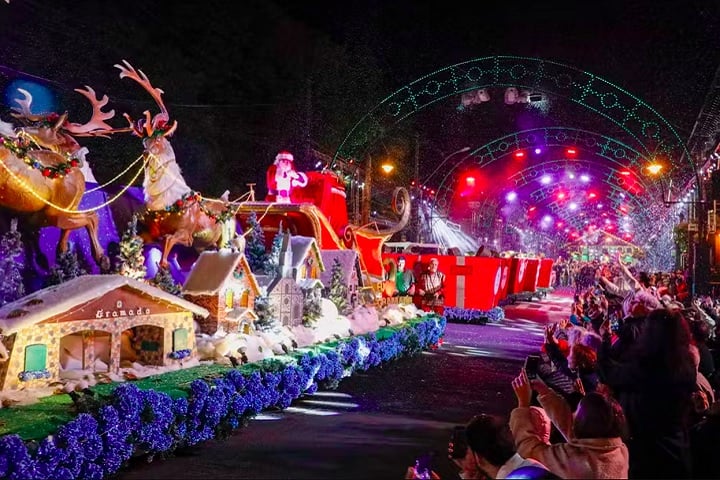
(175, 213)
(49, 192)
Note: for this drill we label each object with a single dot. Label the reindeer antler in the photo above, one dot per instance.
(24, 112)
(96, 126)
(159, 124)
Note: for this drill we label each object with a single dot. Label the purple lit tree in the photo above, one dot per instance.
(11, 286)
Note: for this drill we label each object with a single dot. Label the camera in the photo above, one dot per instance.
(532, 364)
(459, 442)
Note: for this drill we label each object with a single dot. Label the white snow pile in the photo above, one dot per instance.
(330, 326)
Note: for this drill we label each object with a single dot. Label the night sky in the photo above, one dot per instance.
(246, 79)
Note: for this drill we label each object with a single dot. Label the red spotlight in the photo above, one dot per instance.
(519, 154)
(470, 181)
(625, 172)
(561, 196)
(592, 195)
(571, 152)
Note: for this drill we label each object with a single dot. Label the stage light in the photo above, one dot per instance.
(573, 206)
(625, 172)
(571, 152)
(546, 179)
(474, 97)
(470, 181)
(585, 178)
(592, 195)
(561, 196)
(511, 196)
(512, 96)
(519, 154)
(538, 151)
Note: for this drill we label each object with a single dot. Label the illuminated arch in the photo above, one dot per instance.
(653, 134)
(614, 164)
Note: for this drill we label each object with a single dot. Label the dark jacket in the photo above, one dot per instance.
(658, 411)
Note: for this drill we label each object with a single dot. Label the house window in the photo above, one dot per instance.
(180, 339)
(229, 297)
(245, 299)
(35, 357)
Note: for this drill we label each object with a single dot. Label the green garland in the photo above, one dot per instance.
(185, 202)
(22, 147)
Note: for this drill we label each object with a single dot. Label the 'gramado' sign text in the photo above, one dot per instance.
(119, 311)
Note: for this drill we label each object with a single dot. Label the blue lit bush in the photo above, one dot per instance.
(147, 422)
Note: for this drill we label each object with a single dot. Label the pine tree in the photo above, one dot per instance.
(312, 306)
(338, 290)
(11, 285)
(265, 312)
(164, 280)
(66, 268)
(255, 251)
(131, 252)
(274, 257)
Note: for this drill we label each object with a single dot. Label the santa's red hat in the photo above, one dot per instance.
(284, 155)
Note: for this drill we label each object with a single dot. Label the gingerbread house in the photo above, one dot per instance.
(81, 324)
(222, 282)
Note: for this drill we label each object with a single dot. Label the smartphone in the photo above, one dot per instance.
(423, 466)
(532, 363)
(459, 441)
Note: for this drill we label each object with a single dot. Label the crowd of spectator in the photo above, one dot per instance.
(624, 387)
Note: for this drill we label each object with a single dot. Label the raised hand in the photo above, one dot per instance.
(523, 390)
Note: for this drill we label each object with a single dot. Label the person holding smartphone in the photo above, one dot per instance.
(594, 432)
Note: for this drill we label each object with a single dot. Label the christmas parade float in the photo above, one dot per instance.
(143, 355)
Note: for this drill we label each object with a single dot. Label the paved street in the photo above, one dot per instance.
(377, 422)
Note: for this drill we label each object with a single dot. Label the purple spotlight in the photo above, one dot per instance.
(511, 196)
(538, 151)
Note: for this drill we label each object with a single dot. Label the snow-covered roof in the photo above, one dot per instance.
(308, 283)
(211, 270)
(347, 259)
(57, 299)
(300, 247)
(264, 281)
(241, 313)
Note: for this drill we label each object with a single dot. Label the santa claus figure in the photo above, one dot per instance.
(282, 178)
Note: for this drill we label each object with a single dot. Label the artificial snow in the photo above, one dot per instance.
(218, 348)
